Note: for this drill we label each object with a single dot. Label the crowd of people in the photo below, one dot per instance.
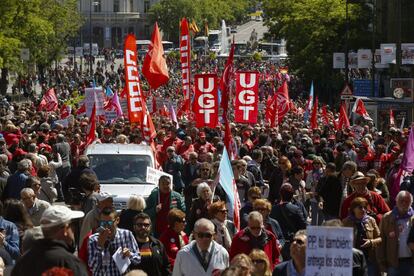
(287, 177)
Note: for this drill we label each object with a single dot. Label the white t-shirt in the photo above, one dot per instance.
(404, 230)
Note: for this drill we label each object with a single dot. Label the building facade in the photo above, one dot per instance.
(111, 20)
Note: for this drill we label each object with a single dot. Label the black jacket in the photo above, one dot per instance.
(157, 264)
(290, 218)
(46, 254)
(126, 219)
(331, 192)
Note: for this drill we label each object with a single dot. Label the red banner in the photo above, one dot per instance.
(246, 101)
(133, 87)
(185, 58)
(49, 101)
(205, 105)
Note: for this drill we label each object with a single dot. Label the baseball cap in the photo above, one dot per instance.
(57, 215)
(104, 195)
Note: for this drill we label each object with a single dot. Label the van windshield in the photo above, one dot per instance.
(120, 169)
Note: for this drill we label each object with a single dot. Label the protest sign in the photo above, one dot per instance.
(153, 176)
(329, 251)
(94, 95)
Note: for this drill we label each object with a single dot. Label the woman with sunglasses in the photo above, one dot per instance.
(225, 229)
(199, 207)
(366, 232)
(261, 265)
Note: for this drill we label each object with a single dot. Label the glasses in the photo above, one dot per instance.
(299, 241)
(259, 261)
(204, 235)
(223, 211)
(106, 223)
(144, 225)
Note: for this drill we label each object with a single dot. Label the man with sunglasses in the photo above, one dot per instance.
(105, 243)
(154, 259)
(203, 256)
(255, 236)
(296, 265)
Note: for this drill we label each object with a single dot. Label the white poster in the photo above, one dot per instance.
(94, 96)
(153, 176)
(377, 58)
(352, 60)
(329, 251)
(78, 52)
(388, 53)
(407, 53)
(364, 58)
(338, 60)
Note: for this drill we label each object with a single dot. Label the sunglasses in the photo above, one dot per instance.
(255, 228)
(145, 225)
(299, 241)
(259, 261)
(181, 221)
(204, 235)
(106, 223)
(223, 211)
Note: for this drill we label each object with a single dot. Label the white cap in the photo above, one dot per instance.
(57, 215)
(104, 195)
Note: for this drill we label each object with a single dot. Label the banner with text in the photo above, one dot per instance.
(388, 53)
(364, 58)
(133, 87)
(94, 96)
(407, 53)
(246, 102)
(205, 106)
(338, 60)
(329, 251)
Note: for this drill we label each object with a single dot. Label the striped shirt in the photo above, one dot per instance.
(100, 259)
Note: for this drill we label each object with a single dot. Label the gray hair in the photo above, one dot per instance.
(201, 187)
(24, 165)
(136, 202)
(27, 191)
(351, 165)
(204, 222)
(255, 216)
(83, 161)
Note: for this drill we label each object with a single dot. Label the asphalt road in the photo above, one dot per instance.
(244, 31)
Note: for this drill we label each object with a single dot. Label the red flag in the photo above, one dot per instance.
(185, 58)
(392, 119)
(206, 100)
(269, 109)
(154, 104)
(228, 140)
(281, 104)
(155, 68)
(359, 108)
(164, 111)
(246, 100)
(82, 109)
(92, 127)
(133, 87)
(65, 111)
(325, 118)
(343, 118)
(227, 76)
(314, 116)
(49, 101)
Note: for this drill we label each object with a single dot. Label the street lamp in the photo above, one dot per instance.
(91, 4)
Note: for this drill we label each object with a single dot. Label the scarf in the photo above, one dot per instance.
(223, 236)
(397, 215)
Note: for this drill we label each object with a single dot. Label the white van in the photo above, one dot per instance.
(122, 169)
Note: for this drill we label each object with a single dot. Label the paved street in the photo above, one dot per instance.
(244, 31)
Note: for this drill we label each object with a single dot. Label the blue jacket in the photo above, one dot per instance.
(11, 243)
(15, 183)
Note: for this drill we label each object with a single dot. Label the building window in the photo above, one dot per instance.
(146, 6)
(116, 5)
(146, 31)
(97, 5)
(131, 5)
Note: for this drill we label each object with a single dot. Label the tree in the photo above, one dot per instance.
(42, 26)
(168, 14)
(314, 29)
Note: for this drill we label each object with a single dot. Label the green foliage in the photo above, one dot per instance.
(43, 26)
(168, 14)
(257, 56)
(314, 29)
